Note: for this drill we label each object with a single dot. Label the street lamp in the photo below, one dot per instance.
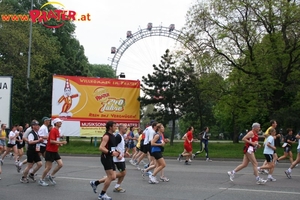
(29, 48)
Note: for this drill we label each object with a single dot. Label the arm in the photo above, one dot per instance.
(104, 150)
(247, 137)
(270, 146)
(153, 141)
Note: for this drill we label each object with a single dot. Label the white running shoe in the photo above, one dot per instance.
(104, 197)
(231, 175)
(288, 174)
(271, 179)
(261, 181)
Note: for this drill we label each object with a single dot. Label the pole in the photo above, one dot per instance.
(29, 48)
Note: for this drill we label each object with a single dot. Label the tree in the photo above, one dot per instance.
(102, 71)
(167, 89)
(258, 42)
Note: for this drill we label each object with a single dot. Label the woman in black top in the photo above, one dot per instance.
(288, 141)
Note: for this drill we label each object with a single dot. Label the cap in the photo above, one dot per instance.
(151, 122)
(46, 119)
(34, 122)
(57, 120)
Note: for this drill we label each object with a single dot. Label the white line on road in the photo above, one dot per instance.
(82, 179)
(269, 191)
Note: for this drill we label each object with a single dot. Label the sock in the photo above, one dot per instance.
(181, 155)
(258, 168)
(289, 170)
(20, 164)
(269, 176)
(117, 185)
(257, 178)
(102, 192)
(233, 172)
(97, 183)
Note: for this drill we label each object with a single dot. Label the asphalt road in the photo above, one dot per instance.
(200, 180)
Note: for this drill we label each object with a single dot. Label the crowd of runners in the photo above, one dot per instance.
(119, 143)
(271, 142)
(41, 142)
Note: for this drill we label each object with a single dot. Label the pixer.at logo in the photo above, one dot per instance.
(55, 18)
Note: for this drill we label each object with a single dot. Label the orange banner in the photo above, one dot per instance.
(94, 100)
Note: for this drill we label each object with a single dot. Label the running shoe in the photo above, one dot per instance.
(271, 179)
(31, 177)
(104, 197)
(153, 180)
(24, 180)
(119, 190)
(94, 186)
(43, 183)
(261, 181)
(19, 168)
(198, 152)
(164, 179)
(179, 157)
(193, 156)
(288, 174)
(146, 166)
(231, 175)
(1, 162)
(190, 160)
(11, 155)
(208, 160)
(187, 163)
(51, 180)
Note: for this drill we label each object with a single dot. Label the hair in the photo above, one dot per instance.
(189, 128)
(131, 127)
(154, 124)
(272, 122)
(255, 125)
(288, 130)
(158, 126)
(2, 125)
(272, 130)
(109, 124)
(205, 128)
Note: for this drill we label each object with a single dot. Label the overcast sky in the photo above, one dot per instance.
(110, 20)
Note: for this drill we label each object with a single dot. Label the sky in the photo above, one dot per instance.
(110, 21)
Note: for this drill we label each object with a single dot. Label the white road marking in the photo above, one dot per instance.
(269, 191)
(74, 178)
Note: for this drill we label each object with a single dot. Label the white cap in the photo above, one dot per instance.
(57, 120)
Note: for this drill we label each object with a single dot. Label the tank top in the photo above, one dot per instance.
(253, 139)
(110, 145)
(157, 148)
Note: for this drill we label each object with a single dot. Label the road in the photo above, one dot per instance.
(200, 180)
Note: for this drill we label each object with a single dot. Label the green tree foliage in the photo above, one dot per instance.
(168, 90)
(258, 42)
(102, 71)
(54, 51)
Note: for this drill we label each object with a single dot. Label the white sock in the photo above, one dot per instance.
(269, 176)
(289, 170)
(117, 185)
(258, 168)
(257, 178)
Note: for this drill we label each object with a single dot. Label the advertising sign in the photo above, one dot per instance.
(86, 104)
(5, 100)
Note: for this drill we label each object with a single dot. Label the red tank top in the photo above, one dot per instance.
(253, 139)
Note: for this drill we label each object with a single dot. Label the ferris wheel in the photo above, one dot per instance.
(137, 61)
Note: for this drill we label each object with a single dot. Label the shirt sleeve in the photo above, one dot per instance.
(30, 137)
(118, 139)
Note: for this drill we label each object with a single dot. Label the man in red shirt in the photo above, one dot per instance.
(52, 153)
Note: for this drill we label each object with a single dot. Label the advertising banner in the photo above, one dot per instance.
(86, 104)
(5, 100)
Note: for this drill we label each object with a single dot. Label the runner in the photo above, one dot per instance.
(52, 153)
(288, 172)
(251, 144)
(289, 140)
(188, 148)
(118, 161)
(156, 151)
(32, 154)
(2, 141)
(268, 153)
(108, 149)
